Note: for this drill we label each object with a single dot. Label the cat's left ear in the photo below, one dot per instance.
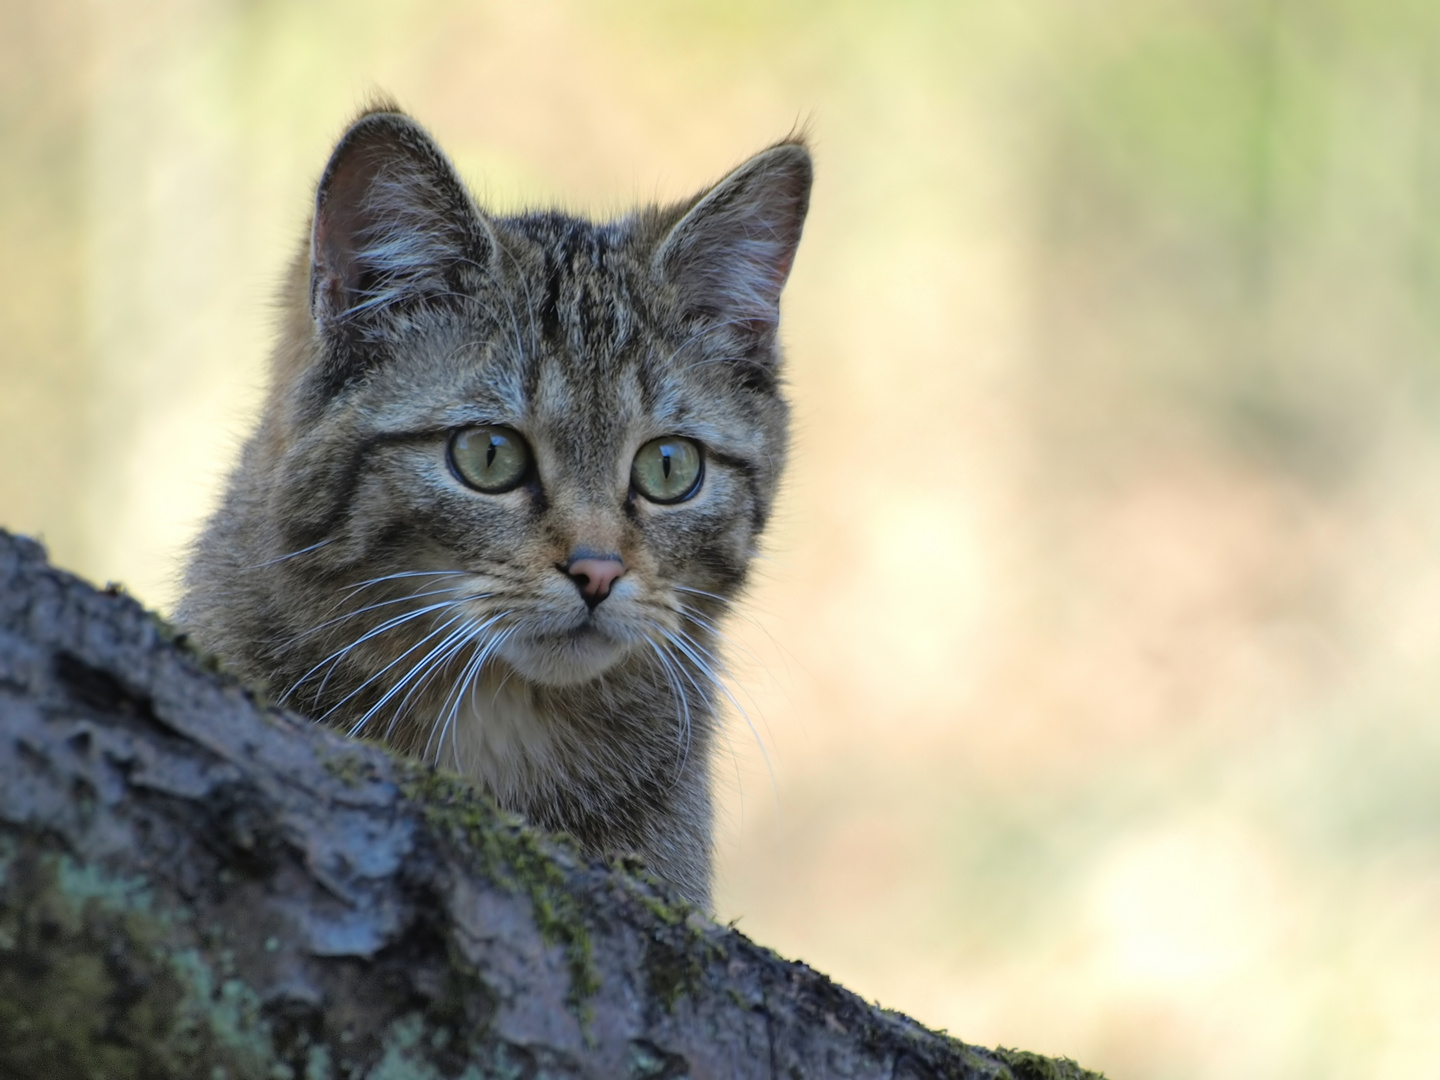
(731, 253)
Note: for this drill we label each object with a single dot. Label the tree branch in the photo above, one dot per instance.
(196, 885)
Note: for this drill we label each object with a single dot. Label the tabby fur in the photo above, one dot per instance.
(351, 572)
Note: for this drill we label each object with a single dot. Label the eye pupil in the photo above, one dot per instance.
(489, 459)
(668, 470)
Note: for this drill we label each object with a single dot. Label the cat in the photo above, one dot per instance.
(507, 481)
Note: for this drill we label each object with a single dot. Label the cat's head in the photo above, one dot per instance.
(570, 433)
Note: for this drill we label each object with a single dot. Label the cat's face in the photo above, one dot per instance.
(559, 439)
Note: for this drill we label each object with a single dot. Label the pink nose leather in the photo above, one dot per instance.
(593, 577)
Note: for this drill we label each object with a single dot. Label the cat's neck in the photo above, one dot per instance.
(501, 734)
(518, 740)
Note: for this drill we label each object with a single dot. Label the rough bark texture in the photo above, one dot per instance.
(195, 885)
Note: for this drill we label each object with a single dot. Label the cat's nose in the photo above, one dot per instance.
(593, 576)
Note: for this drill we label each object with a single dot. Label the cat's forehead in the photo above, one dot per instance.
(493, 369)
(581, 284)
(599, 392)
(570, 340)
(586, 332)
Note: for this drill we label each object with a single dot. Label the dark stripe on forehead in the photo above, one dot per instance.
(590, 297)
(551, 233)
(597, 313)
(550, 302)
(646, 375)
(582, 302)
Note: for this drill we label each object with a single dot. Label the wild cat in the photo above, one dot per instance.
(509, 476)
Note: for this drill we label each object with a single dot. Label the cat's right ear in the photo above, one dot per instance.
(393, 226)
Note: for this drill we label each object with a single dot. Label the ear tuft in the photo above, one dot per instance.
(731, 253)
(393, 222)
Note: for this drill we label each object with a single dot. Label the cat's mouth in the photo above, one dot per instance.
(577, 655)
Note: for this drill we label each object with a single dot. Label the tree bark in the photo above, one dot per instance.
(196, 885)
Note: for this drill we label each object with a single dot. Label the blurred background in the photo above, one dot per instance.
(1096, 655)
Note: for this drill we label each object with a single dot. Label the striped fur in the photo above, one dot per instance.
(352, 573)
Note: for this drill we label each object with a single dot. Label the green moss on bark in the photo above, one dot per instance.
(1024, 1065)
(510, 855)
(97, 980)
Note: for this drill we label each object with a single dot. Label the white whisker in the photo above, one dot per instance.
(282, 558)
(406, 574)
(469, 677)
(693, 650)
(386, 603)
(712, 628)
(339, 654)
(438, 630)
(433, 663)
(423, 667)
(676, 687)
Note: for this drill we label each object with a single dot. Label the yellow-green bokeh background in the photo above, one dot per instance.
(1097, 652)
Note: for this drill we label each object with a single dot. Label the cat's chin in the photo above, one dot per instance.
(565, 661)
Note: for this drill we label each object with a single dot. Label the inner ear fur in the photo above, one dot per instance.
(393, 222)
(730, 254)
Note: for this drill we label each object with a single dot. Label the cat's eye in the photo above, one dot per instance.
(668, 470)
(489, 459)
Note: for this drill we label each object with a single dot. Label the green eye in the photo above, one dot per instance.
(667, 470)
(489, 459)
